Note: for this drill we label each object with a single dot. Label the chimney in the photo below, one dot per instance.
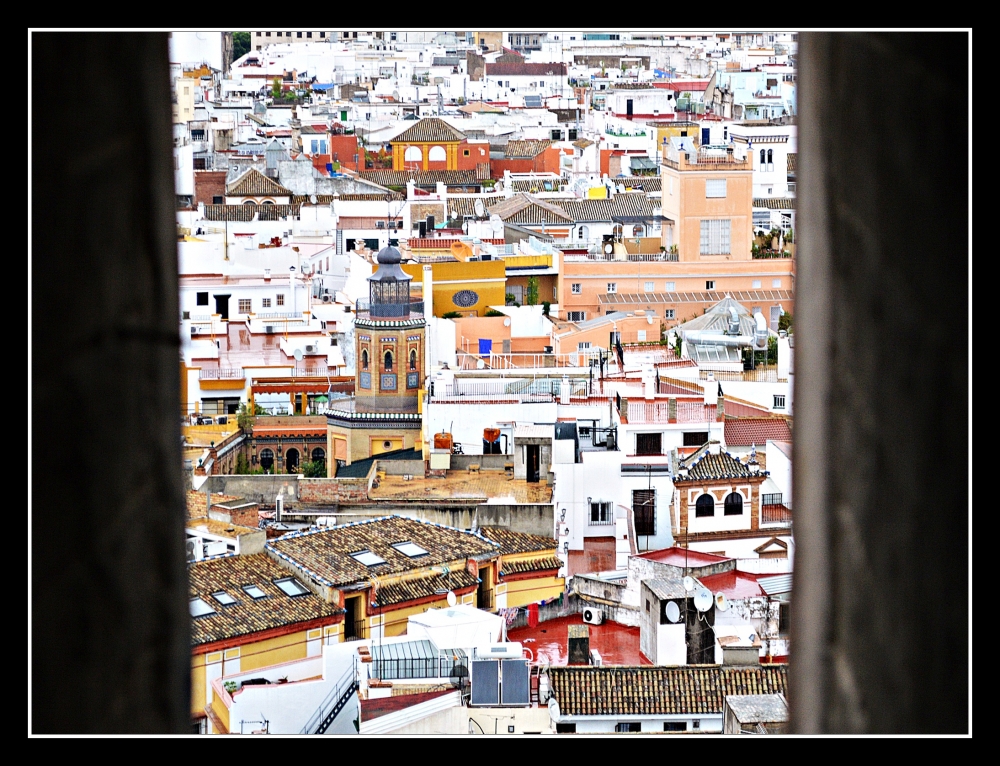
(711, 389)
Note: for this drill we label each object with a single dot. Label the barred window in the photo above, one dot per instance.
(280, 300)
(715, 237)
(244, 306)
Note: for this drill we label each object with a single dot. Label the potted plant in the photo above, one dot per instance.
(775, 238)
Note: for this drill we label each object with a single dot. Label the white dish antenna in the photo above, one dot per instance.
(506, 322)
(703, 599)
(312, 198)
(480, 209)
(608, 248)
(480, 364)
(452, 598)
(688, 584)
(673, 611)
(298, 355)
(496, 224)
(720, 601)
(649, 319)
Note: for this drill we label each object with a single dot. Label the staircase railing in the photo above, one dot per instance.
(335, 701)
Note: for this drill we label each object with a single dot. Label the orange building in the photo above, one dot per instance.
(433, 144)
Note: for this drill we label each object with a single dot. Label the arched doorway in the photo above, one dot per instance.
(319, 456)
(267, 460)
(292, 460)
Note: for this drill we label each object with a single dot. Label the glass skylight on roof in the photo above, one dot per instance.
(254, 592)
(291, 587)
(224, 598)
(409, 549)
(368, 558)
(200, 608)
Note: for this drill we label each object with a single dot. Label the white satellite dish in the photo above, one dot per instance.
(298, 355)
(496, 224)
(506, 322)
(703, 599)
(480, 364)
(720, 601)
(673, 611)
(608, 248)
(688, 584)
(312, 198)
(649, 319)
(480, 209)
(452, 598)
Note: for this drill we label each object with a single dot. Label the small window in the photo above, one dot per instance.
(649, 287)
(576, 316)
(669, 286)
(224, 598)
(675, 726)
(600, 512)
(583, 346)
(465, 152)
(715, 187)
(779, 401)
(368, 558)
(309, 34)
(279, 300)
(265, 303)
(776, 283)
(709, 284)
(292, 587)
(629, 726)
(755, 284)
(576, 288)
(612, 287)
(733, 505)
(244, 306)
(647, 604)
(254, 592)
(705, 506)
(409, 549)
(668, 314)
(298, 34)
(216, 200)
(202, 299)
(200, 608)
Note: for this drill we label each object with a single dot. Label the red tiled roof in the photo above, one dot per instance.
(743, 432)
(744, 410)
(378, 707)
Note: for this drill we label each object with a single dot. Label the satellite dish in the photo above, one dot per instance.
(703, 599)
(298, 355)
(608, 248)
(312, 198)
(496, 223)
(720, 601)
(452, 599)
(649, 319)
(688, 584)
(506, 322)
(673, 611)
(480, 209)
(480, 364)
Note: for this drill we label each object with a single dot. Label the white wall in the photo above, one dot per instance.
(467, 421)
(780, 469)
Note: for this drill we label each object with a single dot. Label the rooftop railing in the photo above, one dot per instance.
(225, 373)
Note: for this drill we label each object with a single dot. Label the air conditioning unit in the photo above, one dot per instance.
(593, 616)
(194, 330)
(326, 298)
(379, 224)
(311, 350)
(269, 329)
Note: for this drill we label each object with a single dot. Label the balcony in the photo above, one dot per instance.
(773, 510)
(411, 310)
(224, 373)
(669, 411)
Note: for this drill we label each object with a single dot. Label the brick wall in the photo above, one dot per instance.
(208, 184)
(333, 490)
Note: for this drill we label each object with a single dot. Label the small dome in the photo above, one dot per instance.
(388, 254)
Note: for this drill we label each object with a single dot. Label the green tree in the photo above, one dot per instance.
(772, 350)
(245, 418)
(785, 321)
(531, 294)
(242, 464)
(276, 88)
(313, 469)
(241, 44)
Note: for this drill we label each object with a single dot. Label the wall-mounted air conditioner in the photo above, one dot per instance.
(311, 350)
(593, 616)
(269, 329)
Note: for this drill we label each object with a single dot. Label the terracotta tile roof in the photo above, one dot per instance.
(624, 205)
(647, 184)
(743, 432)
(533, 185)
(429, 584)
(527, 209)
(517, 542)
(425, 177)
(775, 203)
(539, 564)
(687, 690)
(248, 212)
(738, 409)
(247, 615)
(326, 552)
(197, 505)
(253, 183)
(429, 129)
(721, 466)
(326, 199)
(526, 148)
(793, 160)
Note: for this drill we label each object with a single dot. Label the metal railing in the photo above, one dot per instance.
(354, 630)
(485, 600)
(390, 310)
(225, 373)
(390, 669)
(772, 498)
(280, 315)
(762, 374)
(521, 361)
(334, 702)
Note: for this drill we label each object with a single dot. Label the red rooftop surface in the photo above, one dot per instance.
(617, 644)
(734, 585)
(678, 556)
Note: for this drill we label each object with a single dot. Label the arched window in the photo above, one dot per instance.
(763, 157)
(267, 202)
(388, 361)
(734, 504)
(413, 154)
(319, 455)
(249, 202)
(583, 233)
(638, 230)
(413, 359)
(617, 230)
(705, 506)
(770, 156)
(437, 154)
(292, 460)
(266, 460)
(364, 359)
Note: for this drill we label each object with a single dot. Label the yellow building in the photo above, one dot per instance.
(528, 567)
(468, 287)
(248, 612)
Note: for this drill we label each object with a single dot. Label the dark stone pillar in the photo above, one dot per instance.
(110, 634)
(882, 516)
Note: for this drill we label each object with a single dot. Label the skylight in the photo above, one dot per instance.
(368, 558)
(291, 587)
(410, 549)
(254, 592)
(200, 608)
(224, 598)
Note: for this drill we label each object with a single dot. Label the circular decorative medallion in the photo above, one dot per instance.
(465, 298)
